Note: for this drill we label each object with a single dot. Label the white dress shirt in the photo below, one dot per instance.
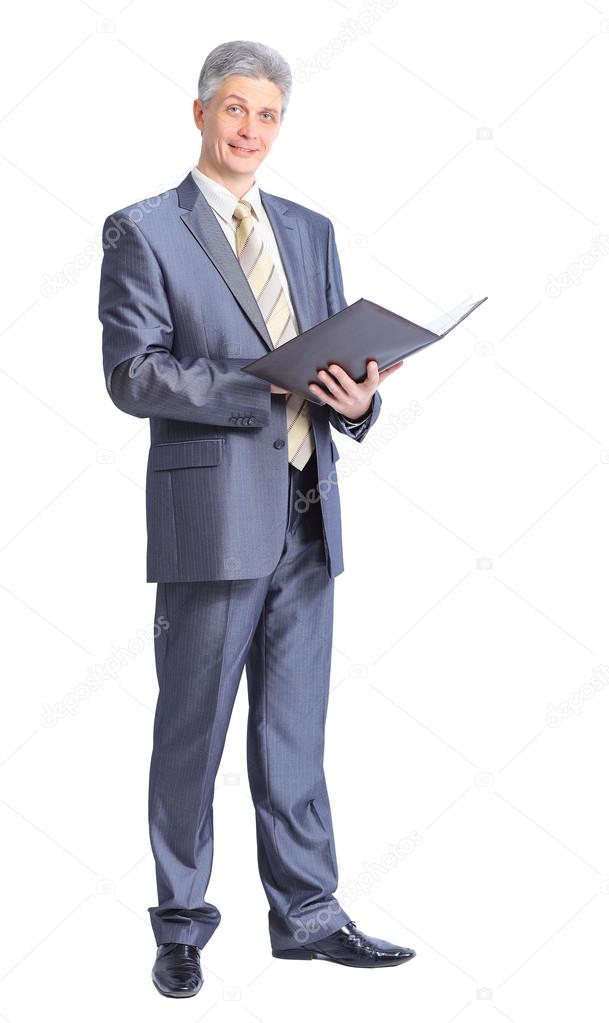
(223, 202)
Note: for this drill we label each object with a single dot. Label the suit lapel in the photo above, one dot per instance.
(288, 235)
(200, 219)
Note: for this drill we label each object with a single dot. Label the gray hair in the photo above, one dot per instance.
(244, 57)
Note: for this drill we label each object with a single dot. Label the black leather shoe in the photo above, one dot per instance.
(350, 947)
(177, 970)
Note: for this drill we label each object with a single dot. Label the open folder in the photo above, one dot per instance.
(361, 331)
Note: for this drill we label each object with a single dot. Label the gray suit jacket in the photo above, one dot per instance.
(179, 320)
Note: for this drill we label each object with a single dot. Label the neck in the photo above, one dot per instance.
(238, 184)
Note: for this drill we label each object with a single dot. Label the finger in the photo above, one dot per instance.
(347, 382)
(329, 381)
(387, 372)
(321, 394)
(372, 371)
(396, 365)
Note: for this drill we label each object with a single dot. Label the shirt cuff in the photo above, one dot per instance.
(358, 422)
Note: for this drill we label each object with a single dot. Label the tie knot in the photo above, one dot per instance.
(243, 209)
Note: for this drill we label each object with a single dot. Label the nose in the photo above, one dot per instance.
(248, 129)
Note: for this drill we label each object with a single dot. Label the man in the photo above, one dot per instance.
(243, 541)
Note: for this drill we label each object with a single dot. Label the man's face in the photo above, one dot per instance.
(239, 124)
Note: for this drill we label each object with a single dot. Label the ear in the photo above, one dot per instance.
(198, 114)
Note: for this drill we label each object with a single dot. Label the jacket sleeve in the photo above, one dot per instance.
(142, 375)
(336, 301)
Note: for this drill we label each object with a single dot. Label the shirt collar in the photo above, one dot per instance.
(224, 201)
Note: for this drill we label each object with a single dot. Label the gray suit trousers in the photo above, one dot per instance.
(279, 627)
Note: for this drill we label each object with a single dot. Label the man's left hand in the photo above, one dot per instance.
(349, 398)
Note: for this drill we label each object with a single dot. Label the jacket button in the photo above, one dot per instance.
(278, 443)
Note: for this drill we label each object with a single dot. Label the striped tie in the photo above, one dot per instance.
(265, 283)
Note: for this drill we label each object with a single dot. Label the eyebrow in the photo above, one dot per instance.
(233, 95)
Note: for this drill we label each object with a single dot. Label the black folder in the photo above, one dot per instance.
(361, 331)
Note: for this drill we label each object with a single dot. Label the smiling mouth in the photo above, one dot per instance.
(241, 149)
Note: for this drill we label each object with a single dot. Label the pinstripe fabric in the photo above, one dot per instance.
(179, 321)
(264, 281)
(244, 577)
(280, 629)
(222, 202)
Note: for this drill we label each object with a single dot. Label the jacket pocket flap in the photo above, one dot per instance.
(183, 453)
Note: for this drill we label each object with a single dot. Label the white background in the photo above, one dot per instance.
(457, 148)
